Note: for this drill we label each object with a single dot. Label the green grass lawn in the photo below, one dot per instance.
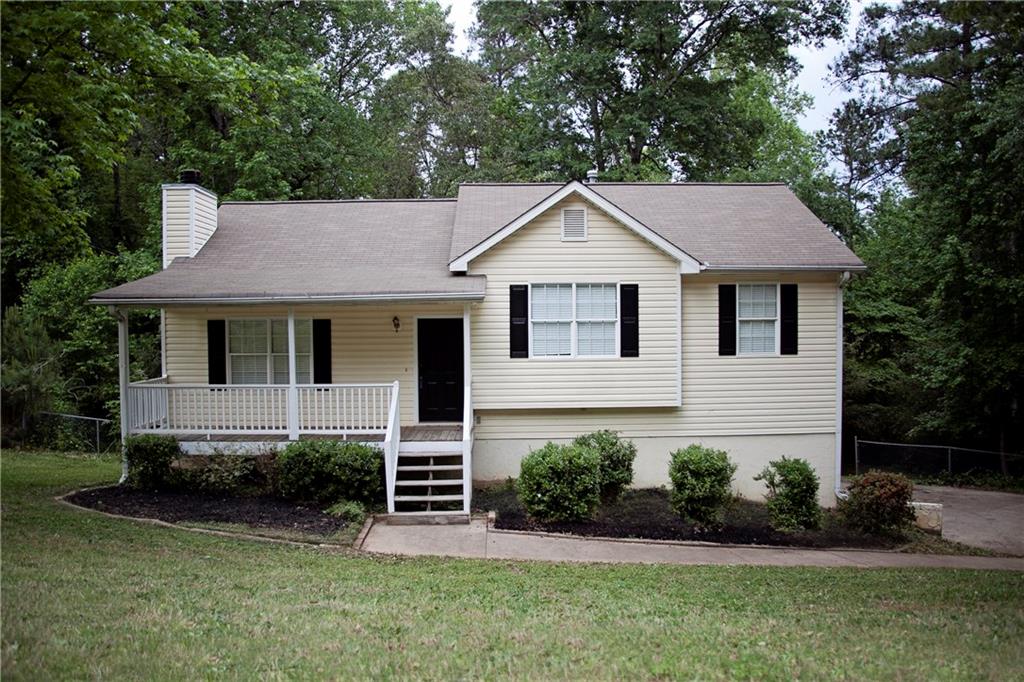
(86, 596)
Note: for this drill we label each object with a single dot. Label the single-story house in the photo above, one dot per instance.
(461, 333)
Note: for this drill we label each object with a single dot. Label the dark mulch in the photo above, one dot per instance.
(173, 507)
(648, 514)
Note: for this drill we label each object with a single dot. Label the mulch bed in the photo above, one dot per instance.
(647, 514)
(174, 507)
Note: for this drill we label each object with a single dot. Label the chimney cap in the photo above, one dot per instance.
(189, 176)
(591, 176)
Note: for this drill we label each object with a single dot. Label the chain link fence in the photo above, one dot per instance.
(70, 432)
(929, 461)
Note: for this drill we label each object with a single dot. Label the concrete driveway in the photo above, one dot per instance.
(979, 518)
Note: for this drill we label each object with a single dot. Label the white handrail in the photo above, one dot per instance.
(392, 439)
(467, 449)
(150, 382)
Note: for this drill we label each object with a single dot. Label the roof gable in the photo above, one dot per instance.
(687, 263)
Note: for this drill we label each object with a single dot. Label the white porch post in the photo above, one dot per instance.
(122, 376)
(293, 391)
(467, 410)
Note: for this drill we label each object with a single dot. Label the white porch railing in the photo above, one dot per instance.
(345, 408)
(155, 406)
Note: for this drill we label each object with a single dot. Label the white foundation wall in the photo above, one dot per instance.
(495, 460)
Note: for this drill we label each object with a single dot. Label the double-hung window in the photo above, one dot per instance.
(258, 351)
(570, 320)
(757, 318)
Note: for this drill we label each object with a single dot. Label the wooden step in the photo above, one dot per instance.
(423, 483)
(419, 455)
(428, 498)
(432, 467)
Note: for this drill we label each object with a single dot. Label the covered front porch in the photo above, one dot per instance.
(395, 375)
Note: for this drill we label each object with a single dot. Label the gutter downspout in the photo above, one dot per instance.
(843, 279)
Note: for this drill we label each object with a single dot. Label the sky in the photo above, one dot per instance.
(812, 79)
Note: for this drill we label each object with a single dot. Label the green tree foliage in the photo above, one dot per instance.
(640, 90)
(940, 314)
(30, 380)
(57, 301)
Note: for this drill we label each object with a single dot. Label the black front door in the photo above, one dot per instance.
(440, 365)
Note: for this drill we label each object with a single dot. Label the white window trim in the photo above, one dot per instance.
(777, 319)
(573, 338)
(269, 354)
(586, 224)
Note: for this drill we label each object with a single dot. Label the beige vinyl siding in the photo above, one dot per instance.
(205, 219)
(177, 223)
(189, 220)
(364, 345)
(612, 253)
(722, 395)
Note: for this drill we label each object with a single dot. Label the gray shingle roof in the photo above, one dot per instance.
(724, 225)
(316, 249)
(401, 249)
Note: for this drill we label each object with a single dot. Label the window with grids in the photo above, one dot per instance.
(258, 351)
(570, 320)
(757, 318)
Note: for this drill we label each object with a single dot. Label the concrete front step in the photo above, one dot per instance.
(423, 518)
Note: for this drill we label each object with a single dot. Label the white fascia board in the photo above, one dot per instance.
(250, 300)
(687, 264)
(782, 268)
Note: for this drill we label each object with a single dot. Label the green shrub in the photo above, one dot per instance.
(224, 474)
(792, 494)
(701, 480)
(352, 512)
(879, 502)
(324, 471)
(149, 461)
(560, 482)
(617, 457)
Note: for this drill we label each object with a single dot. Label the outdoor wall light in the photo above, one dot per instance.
(396, 323)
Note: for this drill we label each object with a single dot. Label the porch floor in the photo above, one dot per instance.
(418, 433)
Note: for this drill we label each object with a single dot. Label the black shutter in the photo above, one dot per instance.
(727, 319)
(216, 352)
(321, 351)
(518, 331)
(788, 319)
(629, 327)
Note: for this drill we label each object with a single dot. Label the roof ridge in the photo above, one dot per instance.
(339, 201)
(690, 184)
(513, 184)
(599, 183)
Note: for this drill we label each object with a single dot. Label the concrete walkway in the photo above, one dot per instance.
(477, 541)
(980, 518)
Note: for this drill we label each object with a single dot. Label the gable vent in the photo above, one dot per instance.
(574, 224)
